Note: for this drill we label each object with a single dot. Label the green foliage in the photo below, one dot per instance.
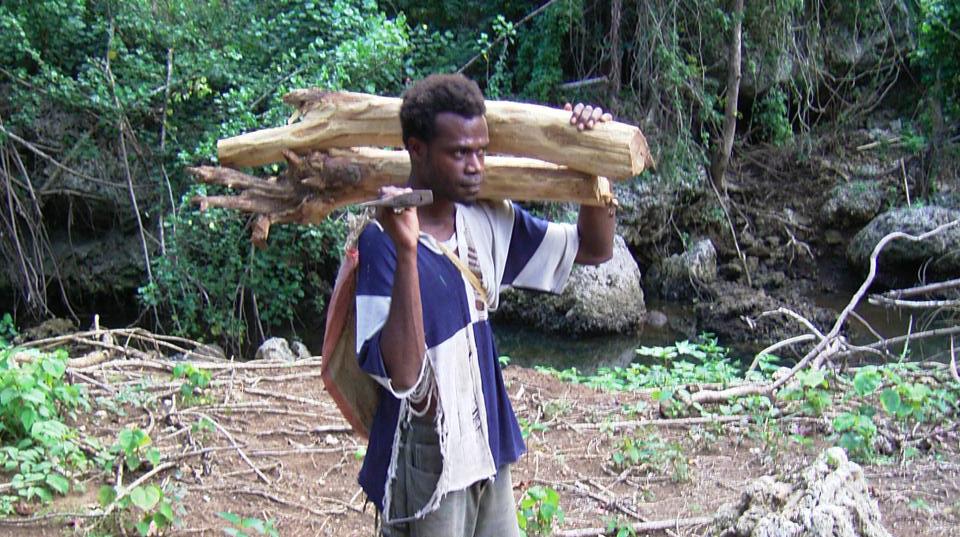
(708, 363)
(937, 51)
(8, 331)
(648, 451)
(856, 432)
(773, 116)
(196, 380)
(40, 452)
(620, 528)
(527, 427)
(811, 390)
(211, 272)
(539, 511)
(146, 508)
(240, 527)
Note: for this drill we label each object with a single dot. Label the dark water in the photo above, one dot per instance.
(528, 347)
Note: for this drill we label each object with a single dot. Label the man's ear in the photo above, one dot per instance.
(417, 148)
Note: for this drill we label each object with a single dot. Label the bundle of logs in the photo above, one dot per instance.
(332, 150)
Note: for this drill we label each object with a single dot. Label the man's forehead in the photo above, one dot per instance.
(450, 124)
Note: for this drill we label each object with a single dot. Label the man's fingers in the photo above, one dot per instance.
(575, 117)
(606, 117)
(568, 107)
(597, 114)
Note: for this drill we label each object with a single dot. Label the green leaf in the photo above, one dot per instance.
(890, 400)
(166, 511)
(106, 495)
(844, 422)
(58, 483)
(234, 532)
(153, 456)
(866, 381)
(230, 517)
(145, 497)
(143, 528)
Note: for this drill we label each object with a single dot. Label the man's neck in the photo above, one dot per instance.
(437, 219)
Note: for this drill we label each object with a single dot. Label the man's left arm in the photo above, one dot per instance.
(595, 225)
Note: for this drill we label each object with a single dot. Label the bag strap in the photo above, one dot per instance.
(471, 277)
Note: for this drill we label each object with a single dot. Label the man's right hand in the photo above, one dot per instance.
(402, 225)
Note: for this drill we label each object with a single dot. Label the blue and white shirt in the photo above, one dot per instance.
(478, 432)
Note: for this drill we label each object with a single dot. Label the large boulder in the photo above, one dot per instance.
(681, 276)
(853, 204)
(275, 349)
(830, 498)
(902, 260)
(602, 299)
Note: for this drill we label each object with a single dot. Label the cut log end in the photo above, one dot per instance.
(641, 158)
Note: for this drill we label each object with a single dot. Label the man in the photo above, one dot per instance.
(445, 433)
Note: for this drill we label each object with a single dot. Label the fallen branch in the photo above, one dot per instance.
(638, 527)
(233, 442)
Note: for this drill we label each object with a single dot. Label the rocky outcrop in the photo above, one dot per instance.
(275, 349)
(830, 498)
(853, 204)
(645, 208)
(902, 260)
(681, 276)
(602, 299)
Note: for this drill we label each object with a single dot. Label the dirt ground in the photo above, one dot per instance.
(277, 418)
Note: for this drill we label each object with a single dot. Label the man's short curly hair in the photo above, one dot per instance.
(436, 94)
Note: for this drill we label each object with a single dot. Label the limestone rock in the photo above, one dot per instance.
(645, 208)
(827, 499)
(901, 260)
(681, 276)
(849, 205)
(275, 349)
(602, 299)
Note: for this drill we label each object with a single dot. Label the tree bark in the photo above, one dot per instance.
(319, 183)
(342, 120)
(616, 9)
(722, 157)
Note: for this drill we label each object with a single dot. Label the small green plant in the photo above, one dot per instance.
(620, 528)
(146, 507)
(811, 389)
(134, 445)
(856, 432)
(504, 361)
(539, 511)
(241, 527)
(648, 451)
(195, 380)
(527, 427)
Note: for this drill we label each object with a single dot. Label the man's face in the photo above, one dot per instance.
(452, 164)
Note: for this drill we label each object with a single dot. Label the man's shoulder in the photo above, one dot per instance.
(373, 237)
(492, 211)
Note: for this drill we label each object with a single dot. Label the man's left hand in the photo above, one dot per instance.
(585, 116)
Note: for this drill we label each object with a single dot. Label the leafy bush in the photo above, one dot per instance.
(36, 447)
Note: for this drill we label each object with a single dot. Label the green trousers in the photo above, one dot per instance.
(484, 509)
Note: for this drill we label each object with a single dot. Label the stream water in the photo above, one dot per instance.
(528, 347)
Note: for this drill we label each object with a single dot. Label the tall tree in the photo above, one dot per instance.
(722, 157)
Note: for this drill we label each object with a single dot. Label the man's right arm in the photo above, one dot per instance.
(402, 341)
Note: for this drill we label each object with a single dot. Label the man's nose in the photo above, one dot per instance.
(474, 162)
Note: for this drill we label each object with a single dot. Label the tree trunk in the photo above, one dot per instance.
(722, 157)
(616, 9)
(341, 120)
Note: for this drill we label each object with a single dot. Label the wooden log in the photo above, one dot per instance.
(342, 119)
(319, 183)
